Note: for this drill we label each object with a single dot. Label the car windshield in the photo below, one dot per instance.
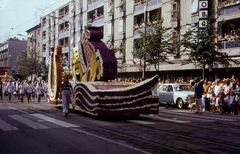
(183, 88)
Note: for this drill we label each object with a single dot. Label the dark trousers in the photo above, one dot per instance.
(1, 93)
(207, 104)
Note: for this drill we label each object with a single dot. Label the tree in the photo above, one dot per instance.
(44, 69)
(155, 43)
(21, 69)
(201, 46)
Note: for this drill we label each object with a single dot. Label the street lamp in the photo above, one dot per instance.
(69, 42)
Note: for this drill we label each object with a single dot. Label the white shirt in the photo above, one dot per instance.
(28, 88)
(21, 89)
(232, 99)
(217, 89)
(10, 87)
(39, 89)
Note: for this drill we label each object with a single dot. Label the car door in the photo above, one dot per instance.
(166, 94)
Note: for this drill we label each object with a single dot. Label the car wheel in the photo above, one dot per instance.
(180, 103)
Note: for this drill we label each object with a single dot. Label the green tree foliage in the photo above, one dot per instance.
(21, 68)
(156, 43)
(201, 46)
(44, 69)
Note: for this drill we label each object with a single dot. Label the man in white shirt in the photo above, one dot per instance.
(217, 90)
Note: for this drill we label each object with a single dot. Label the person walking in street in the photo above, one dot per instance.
(4, 84)
(1, 89)
(10, 89)
(39, 90)
(198, 95)
(29, 90)
(21, 90)
(17, 88)
(65, 91)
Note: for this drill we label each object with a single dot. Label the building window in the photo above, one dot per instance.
(174, 11)
(35, 33)
(110, 29)
(121, 25)
(194, 7)
(38, 31)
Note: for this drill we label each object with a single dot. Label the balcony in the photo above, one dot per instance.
(65, 49)
(229, 44)
(142, 3)
(63, 33)
(94, 3)
(229, 10)
(44, 28)
(136, 31)
(66, 17)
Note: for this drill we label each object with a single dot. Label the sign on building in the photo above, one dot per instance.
(203, 13)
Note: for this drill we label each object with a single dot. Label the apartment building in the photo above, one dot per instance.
(9, 51)
(34, 43)
(63, 24)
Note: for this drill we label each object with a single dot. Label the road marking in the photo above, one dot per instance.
(55, 121)
(187, 117)
(142, 122)
(199, 116)
(115, 142)
(6, 127)
(28, 122)
(17, 109)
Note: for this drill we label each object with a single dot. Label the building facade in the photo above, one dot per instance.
(34, 42)
(9, 52)
(63, 24)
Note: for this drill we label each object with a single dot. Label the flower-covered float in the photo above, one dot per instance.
(93, 65)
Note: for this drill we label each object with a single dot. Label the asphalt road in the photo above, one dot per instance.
(42, 128)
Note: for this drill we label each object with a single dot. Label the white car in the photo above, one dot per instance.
(174, 93)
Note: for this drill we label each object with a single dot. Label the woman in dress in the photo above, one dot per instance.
(21, 90)
(65, 92)
(10, 89)
(29, 90)
(38, 90)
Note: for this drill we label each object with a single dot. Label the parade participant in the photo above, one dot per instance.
(10, 89)
(217, 90)
(65, 92)
(29, 90)
(38, 90)
(21, 90)
(33, 87)
(17, 88)
(4, 84)
(198, 95)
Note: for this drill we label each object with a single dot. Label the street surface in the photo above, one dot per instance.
(41, 128)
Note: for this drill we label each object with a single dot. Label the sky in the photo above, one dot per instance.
(17, 16)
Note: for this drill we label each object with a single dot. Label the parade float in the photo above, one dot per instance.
(93, 66)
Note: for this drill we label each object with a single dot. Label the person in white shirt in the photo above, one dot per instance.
(33, 87)
(17, 87)
(217, 90)
(21, 88)
(39, 90)
(10, 89)
(29, 90)
(4, 84)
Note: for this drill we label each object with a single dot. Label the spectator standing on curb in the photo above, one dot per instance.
(198, 95)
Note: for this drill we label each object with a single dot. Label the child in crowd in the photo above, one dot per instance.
(191, 106)
(213, 103)
(232, 102)
(221, 102)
